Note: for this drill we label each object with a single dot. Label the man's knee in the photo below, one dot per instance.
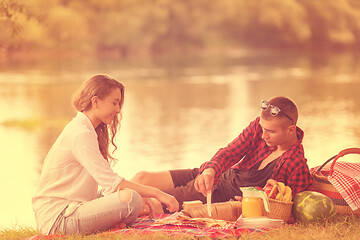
(143, 177)
(161, 180)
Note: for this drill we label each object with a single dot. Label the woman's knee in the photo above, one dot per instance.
(125, 195)
(132, 197)
(137, 200)
(134, 202)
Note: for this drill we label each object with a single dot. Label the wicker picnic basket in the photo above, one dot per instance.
(322, 185)
(278, 209)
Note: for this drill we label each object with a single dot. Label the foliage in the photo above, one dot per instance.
(127, 26)
(9, 11)
(336, 22)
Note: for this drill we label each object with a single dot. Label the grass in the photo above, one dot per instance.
(33, 123)
(17, 233)
(343, 227)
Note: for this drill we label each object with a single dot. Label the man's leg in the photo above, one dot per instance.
(166, 179)
(226, 189)
(228, 186)
(185, 193)
(178, 183)
(160, 180)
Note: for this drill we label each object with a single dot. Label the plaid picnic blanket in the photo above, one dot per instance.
(144, 226)
(346, 180)
(166, 224)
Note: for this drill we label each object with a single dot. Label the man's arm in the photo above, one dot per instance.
(233, 152)
(300, 180)
(204, 182)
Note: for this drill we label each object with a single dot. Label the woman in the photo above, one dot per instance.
(67, 200)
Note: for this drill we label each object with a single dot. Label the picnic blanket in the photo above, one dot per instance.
(170, 224)
(346, 180)
(167, 224)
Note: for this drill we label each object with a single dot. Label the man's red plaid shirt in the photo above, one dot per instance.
(245, 151)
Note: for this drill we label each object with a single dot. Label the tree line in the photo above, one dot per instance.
(127, 26)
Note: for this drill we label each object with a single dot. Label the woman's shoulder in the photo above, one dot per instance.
(78, 127)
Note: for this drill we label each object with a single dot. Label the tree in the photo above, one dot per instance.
(9, 14)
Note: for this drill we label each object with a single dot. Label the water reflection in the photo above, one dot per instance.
(177, 113)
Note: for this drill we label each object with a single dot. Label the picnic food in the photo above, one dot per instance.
(284, 193)
(268, 188)
(280, 198)
(281, 191)
(312, 206)
(288, 194)
(278, 190)
(201, 222)
(229, 211)
(191, 204)
(179, 219)
(208, 203)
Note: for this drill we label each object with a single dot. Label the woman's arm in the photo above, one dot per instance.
(151, 192)
(86, 151)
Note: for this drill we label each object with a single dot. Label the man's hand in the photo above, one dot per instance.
(205, 181)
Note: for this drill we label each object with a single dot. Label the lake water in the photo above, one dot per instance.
(178, 111)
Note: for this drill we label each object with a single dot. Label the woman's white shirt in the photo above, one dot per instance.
(71, 174)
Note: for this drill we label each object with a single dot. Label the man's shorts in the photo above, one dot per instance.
(181, 177)
(184, 190)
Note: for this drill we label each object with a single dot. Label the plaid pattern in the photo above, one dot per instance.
(346, 180)
(248, 149)
(144, 226)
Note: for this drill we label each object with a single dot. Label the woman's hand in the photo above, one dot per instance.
(151, 192)
(205, 181)
(172, 205)
(148, 208)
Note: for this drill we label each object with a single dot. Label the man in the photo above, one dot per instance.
(270, 147)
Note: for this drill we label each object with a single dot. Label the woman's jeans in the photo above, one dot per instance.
(100, 214)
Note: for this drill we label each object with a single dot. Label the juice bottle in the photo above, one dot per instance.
(253, 202)
(252, 207)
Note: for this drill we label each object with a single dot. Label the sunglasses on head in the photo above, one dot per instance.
(274, 110)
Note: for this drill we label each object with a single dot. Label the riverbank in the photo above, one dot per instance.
(226, 50)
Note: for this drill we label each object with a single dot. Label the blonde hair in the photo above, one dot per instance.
(100, 86)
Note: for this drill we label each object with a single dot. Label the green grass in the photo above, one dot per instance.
(33, 123)
(17, 233)
(339, 228)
